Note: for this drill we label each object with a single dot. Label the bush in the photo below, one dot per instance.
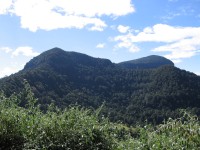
(76, 128)
(73, 128)
(181, 133)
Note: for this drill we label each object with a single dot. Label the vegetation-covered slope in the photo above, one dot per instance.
(148, 62)
(76, 128)
(130, 95)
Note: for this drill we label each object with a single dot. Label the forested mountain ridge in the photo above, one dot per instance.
(148, 62)
(59, 59)
(130, 95)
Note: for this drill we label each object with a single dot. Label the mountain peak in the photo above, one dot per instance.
(58, 58)
(148, 62)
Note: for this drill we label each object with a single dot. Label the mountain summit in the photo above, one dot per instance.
(59, 59)
(148, 62)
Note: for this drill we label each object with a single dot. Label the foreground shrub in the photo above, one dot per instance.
(72, 128)
(175, 134)
(76, 128)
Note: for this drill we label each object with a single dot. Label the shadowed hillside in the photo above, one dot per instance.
(148, 62)
(130, 95)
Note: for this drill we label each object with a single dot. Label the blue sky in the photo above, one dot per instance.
(119, 30)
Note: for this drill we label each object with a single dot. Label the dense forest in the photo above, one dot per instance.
(149, 89)
(77, 128)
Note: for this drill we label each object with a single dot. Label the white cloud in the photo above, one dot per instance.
(197, 73)
(25, 51)
(176, 61)
(96, 28)
(134, 49)
(100, 45)
(15, 59)
(54, 14)
(5, 6)
(180, 42)
(8, 71)
(126, 42)
(123, 29)
(6, 49)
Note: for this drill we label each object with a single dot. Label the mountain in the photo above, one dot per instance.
(129, 95)
(60, 60)
(148, 62)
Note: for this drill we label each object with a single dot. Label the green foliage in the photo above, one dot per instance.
(76, 128)
(73, 128)
(181, 133)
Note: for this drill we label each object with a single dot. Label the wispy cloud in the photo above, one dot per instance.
(6, 49)
(170, 16)
(54, 14)
(184, 9)
(100, 45)
(197, 73)
(14, 59)
(180, 42)
(9, 70)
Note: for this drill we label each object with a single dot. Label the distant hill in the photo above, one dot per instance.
(148, 62)
(152, 92)
(59, 59)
